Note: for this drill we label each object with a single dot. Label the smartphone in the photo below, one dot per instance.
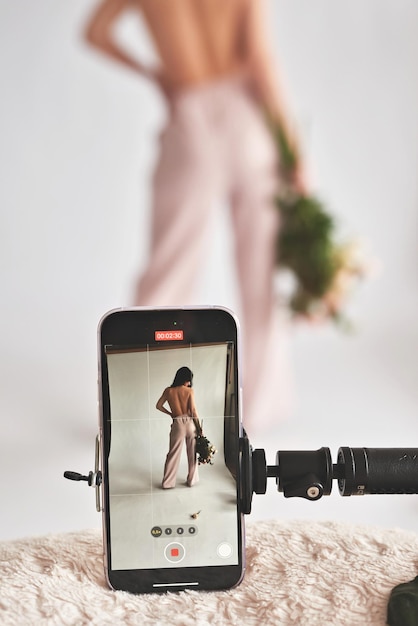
(170, 523)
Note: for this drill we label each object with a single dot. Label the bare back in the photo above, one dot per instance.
(201, 41)
(180, 399)
(197, 40)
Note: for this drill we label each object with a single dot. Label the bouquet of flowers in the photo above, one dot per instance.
(324, 270)
(205, 450)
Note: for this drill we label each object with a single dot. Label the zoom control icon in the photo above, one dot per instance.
(188, 530)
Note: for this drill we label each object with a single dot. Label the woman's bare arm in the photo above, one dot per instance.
(192, 405)
(263, 66)
(99, 33)
(266, 76)
(160, 404)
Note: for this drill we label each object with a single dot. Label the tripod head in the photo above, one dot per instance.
(309, 473)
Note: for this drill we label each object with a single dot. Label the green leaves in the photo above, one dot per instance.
(305, 247)
(306, 243)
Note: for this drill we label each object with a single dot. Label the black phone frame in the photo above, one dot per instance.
(200, 325)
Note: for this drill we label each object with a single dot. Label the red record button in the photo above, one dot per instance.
(168, 335)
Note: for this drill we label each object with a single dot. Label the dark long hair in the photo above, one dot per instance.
(183, 375)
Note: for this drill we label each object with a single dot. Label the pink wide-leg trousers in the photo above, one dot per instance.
(183, 429)
(216, 145)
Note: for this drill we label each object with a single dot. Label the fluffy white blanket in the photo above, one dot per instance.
(297, 573)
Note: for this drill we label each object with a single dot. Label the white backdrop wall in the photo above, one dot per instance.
(77, 149)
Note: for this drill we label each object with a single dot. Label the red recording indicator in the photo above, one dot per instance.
(168, 335)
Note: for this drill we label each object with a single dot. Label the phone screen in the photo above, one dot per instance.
(166, 377)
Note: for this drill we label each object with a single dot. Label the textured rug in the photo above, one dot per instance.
(302, 573)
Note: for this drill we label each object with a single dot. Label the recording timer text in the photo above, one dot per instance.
(168, 335)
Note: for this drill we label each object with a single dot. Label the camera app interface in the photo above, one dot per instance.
(172, 493)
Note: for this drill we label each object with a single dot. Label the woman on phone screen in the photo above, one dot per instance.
(182, 410)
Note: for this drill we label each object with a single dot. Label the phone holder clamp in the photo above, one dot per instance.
(309, 473)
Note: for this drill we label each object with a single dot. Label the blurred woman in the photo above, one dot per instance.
(218, 78)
